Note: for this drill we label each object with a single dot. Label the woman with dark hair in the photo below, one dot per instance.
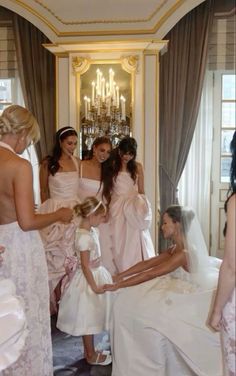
(129, 210)
(159, 319)
(59, 186)
(91, 176)
(223, 312)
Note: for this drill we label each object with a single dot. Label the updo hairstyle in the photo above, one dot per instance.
(91, 205)
(15, 119)
(182, 215)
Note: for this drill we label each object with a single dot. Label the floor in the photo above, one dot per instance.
(68, 354)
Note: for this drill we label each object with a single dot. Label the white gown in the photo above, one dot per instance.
(81, 311)
(159, 329)
(13, 327)
(24, 263)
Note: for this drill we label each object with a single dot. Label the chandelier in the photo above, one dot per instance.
(104, 111)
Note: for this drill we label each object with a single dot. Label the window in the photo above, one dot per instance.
(10, 93)
(228, 123)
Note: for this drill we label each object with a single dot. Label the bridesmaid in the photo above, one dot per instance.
(223, 313)
(92, 171)
(24, 258)
(59, 186)
(129, 209)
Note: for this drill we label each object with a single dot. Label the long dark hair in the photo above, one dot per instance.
(105, 166)
(62, 134)
(232, 188)
(113, 166)
(232, 176)
(127, 145)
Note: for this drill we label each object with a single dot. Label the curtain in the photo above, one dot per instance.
(182, 71)
(37, 74)
(194, 185)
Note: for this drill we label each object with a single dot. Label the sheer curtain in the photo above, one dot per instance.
(195, 183)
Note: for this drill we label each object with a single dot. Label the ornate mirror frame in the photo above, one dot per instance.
(81, 66)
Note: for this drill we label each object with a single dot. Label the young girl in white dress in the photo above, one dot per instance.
(84, 308)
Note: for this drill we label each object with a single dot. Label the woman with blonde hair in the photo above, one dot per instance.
(24, 258)
(84, 309)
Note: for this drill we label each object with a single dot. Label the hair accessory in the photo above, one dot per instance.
(67, 130)
(96, 207)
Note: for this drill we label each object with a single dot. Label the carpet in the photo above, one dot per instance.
(68, 354)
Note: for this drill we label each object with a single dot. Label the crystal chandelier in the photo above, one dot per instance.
(104, 111)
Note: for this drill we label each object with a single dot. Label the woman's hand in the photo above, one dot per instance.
(2, 249)
(215, 321)
(65, 214)
(99, 290)
(111, 287)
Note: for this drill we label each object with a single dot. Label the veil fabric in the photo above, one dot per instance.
(202, 271)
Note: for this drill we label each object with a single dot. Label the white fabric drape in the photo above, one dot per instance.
(195, 183)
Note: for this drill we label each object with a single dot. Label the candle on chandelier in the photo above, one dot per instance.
(93, 93)
(99, 74)
(108, 101)
(111, 78)
(86, 107)
(107, 89)
(117, 97)
(123, 114)
(103, 88)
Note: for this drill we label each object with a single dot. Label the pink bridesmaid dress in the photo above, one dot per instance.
(130, 220)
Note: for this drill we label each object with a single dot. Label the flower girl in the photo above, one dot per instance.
(84, 307)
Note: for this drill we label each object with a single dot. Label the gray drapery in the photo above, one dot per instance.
(37, 74)
(182, 71)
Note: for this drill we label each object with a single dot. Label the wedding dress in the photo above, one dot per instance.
(13, 326)
(159, 327)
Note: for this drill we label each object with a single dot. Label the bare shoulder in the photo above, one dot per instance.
(23, 165)
(232, 201)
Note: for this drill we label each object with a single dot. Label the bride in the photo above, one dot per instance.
(159, 324)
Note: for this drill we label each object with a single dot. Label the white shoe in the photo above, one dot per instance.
(105, 362)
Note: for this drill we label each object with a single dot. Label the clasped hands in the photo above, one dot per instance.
(112, 286)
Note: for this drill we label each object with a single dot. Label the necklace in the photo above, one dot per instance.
(6, 146)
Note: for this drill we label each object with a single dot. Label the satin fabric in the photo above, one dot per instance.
(90, 187)
(159, 328)
(13, 325)
(130, 220)
(82, 311)
(58, 238)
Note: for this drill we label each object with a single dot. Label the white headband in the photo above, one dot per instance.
(67, 130)
(96, 207)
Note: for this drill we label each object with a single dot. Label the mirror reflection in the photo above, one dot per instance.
(105, 104)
